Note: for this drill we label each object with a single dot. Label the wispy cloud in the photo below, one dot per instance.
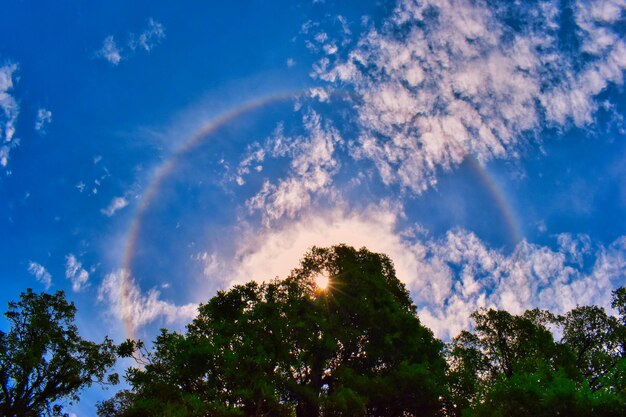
(92, 186)
(114, 52)
(117, 203)
(44, 118)
(40, 273)
(465, 274)
(8, 115)
(127, 303)
(435, 83)
(311, 170)
(149, 38)
(440, 80)
(75, 272)
(110, 51)
(210, 262)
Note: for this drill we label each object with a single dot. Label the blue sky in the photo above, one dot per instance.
(153, 153)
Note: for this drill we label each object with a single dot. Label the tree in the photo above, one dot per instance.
(619, 304)
(511, 365)
(43, 360)
(375, 353)
(501, 348)
(289, 347)
(594, 339)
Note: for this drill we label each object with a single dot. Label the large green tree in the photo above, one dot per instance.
(290, 347)
(43, 360)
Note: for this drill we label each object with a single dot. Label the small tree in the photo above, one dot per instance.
(43, 360)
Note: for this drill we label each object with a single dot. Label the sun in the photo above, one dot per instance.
(321, 281)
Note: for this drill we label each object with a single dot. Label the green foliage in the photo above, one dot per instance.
(43, 360)
(594, 339)
(512, 366)
(619, 303)
(502, 346)
(289, 348)
(357, 348)
(545, 393)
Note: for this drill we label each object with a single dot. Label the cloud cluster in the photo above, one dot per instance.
(460, 273)
(110, 51)
(448, 277)
(44, 118)
(40, 273)
(75, 272)
(117, 203)
(311, 169)
(438, 81)
(441, 80)
(114, 53)
(149, 38)
(127, 303)
(9, 110)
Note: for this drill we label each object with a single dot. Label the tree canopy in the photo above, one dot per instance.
(512, 365)
(299, 348)
(357, 348)
(43, 360)
(292, 348)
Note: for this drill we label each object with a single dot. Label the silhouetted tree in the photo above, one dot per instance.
(43, 360)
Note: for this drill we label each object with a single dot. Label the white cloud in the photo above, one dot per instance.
(541, 226)
(449, 277)
(127, 302)
(255, 155)
(110, 51)
(321, 37)
(531, 276)
(311, 170)
(212, 265)
(40, 273)
(319, 94)
(8, 104)
(150, 37)
(438, 82)
(44, 118)
(441, 80)
(268, 253)
(8, 114)
(75, 272)
(116, 204)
